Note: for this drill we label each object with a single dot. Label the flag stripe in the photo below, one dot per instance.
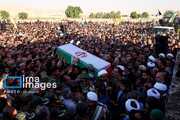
(100, 114)
(173, 17)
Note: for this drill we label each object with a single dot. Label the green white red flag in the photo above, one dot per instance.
(173, 17)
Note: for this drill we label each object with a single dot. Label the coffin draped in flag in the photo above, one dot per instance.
(71, 52)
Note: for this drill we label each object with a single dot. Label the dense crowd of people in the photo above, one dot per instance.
(135, 89)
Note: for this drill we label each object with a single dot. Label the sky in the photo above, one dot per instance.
(88, 6)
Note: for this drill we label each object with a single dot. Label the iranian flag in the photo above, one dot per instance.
(173, 17)
(71, 52)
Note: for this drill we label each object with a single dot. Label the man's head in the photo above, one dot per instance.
(130, 65)
(135, 115)
(82, 109)
(9, 113)
(160, 77)
(140, 82)
(92, 98)
(101, 91)
(66, 93)
(26, 99)
(161, 63)
(85, 78)
(152, 102)
(42, 113)
(102, 75)
(125, 85)
(162, 88)
(30, 64)
(55, 71)
(156, 114)
(76, 70)
(117, 72)
(146, 75)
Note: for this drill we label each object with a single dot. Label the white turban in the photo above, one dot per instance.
(72, 41)
(153, 92)
(169, 54)
(160, 86)
(78, 42)
(121, 67)
(151, 64)
(142, 67)
(152, 58)
(92, 96)
(129, 107)
(162, 54)
(102, 72)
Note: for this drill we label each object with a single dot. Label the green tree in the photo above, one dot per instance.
(108, 15)
(112, 14)
(139, 15)
(118, 14)
(124, 15)
(77, 11)
(69, 11)
(168, 13)
(105, 15)
(134, 15)
(101, 15)
(23, 15)
(4, 14)
(73, 12)
(145, 14)
(97, 15)
(92, 15)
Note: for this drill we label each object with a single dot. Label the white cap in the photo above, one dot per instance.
(102, 72)
(162, 54)
(78, 42)
(72, 41)
(151, 64)
(154, 93)
(160, 86)
(169, 54)
(129, 107)
(152, 58)
(142, 67)
(92, 96)
(121, 67)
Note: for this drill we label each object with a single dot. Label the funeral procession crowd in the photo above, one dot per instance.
(136, 87)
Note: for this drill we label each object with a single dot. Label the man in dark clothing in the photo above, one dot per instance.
(3, 104)
(82, 111)
(103, 96)
(125, 86)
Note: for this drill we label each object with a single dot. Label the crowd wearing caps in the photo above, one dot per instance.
(139, 75)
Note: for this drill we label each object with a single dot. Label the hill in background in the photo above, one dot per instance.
(32, 12)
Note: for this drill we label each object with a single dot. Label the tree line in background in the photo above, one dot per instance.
(74, 12)
(111, 14)
(138, 15)
(5, 15)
